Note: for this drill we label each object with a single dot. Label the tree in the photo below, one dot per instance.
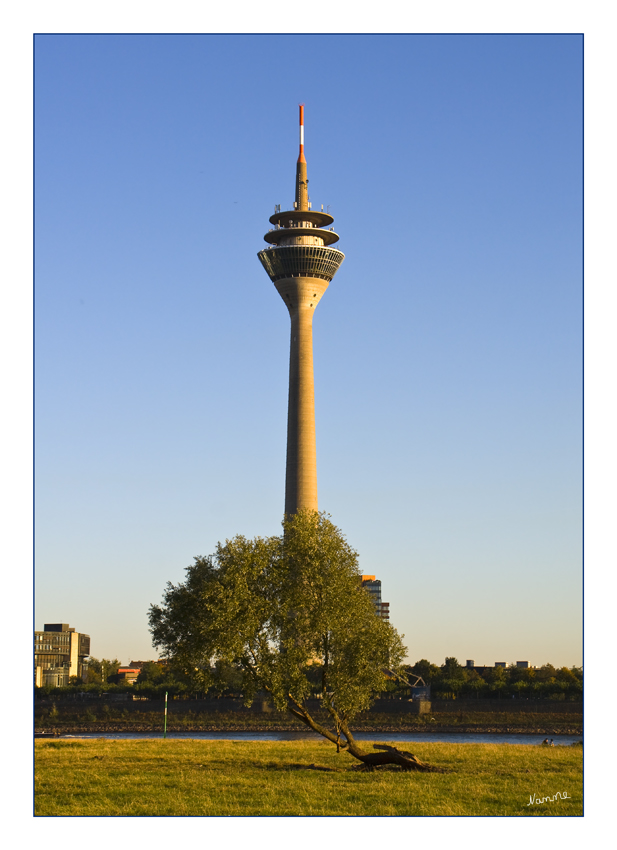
(98, 672)
(474, 683)
(546, 672)
(451, 678)
(451, 669)
(497, 678)
(564, 674)
(429, 672)
(151, 673)
(578, 673)
(275, 608)
(230, 679)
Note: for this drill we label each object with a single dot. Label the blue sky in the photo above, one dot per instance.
(448, 348)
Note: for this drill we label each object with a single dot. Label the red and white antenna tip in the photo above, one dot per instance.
(301, 157)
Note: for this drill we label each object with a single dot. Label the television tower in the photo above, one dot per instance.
(301, 264)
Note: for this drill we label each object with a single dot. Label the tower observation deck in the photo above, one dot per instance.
(301, 263)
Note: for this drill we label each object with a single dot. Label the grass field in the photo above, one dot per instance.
(217, 778)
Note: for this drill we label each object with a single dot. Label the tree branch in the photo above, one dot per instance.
(302, 714)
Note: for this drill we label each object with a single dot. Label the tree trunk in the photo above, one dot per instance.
(389, 754)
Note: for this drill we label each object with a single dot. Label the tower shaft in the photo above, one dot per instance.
(301, 295)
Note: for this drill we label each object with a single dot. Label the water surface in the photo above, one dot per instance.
(381, 737)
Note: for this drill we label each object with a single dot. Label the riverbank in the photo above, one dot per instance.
(142, 728)
(72, 720)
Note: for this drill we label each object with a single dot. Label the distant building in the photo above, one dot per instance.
(373, 587)
(483, 668)
(128, 674)
(59, 653)
(162, 662)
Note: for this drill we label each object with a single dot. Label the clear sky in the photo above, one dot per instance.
(448, 348)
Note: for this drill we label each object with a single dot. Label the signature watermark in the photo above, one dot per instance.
(535, 800)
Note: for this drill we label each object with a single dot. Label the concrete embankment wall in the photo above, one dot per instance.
(535, 706)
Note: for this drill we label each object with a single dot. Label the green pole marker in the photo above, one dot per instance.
(165, 724)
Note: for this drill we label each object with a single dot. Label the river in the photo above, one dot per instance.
(383, 737)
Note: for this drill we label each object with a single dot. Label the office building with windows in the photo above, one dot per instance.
(59, 653)
(373, 588)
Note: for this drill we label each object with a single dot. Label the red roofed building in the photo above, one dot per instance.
(128, 674)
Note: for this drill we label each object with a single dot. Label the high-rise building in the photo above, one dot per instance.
(373, 588)
(301, 264)
(59, 653)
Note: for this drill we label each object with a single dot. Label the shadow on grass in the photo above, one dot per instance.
(354, 768)
(274, 766)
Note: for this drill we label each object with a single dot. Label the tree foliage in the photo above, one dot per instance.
(278, 608)
(99, 672)
(428, 672)
(151, 673)
(451, 680)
